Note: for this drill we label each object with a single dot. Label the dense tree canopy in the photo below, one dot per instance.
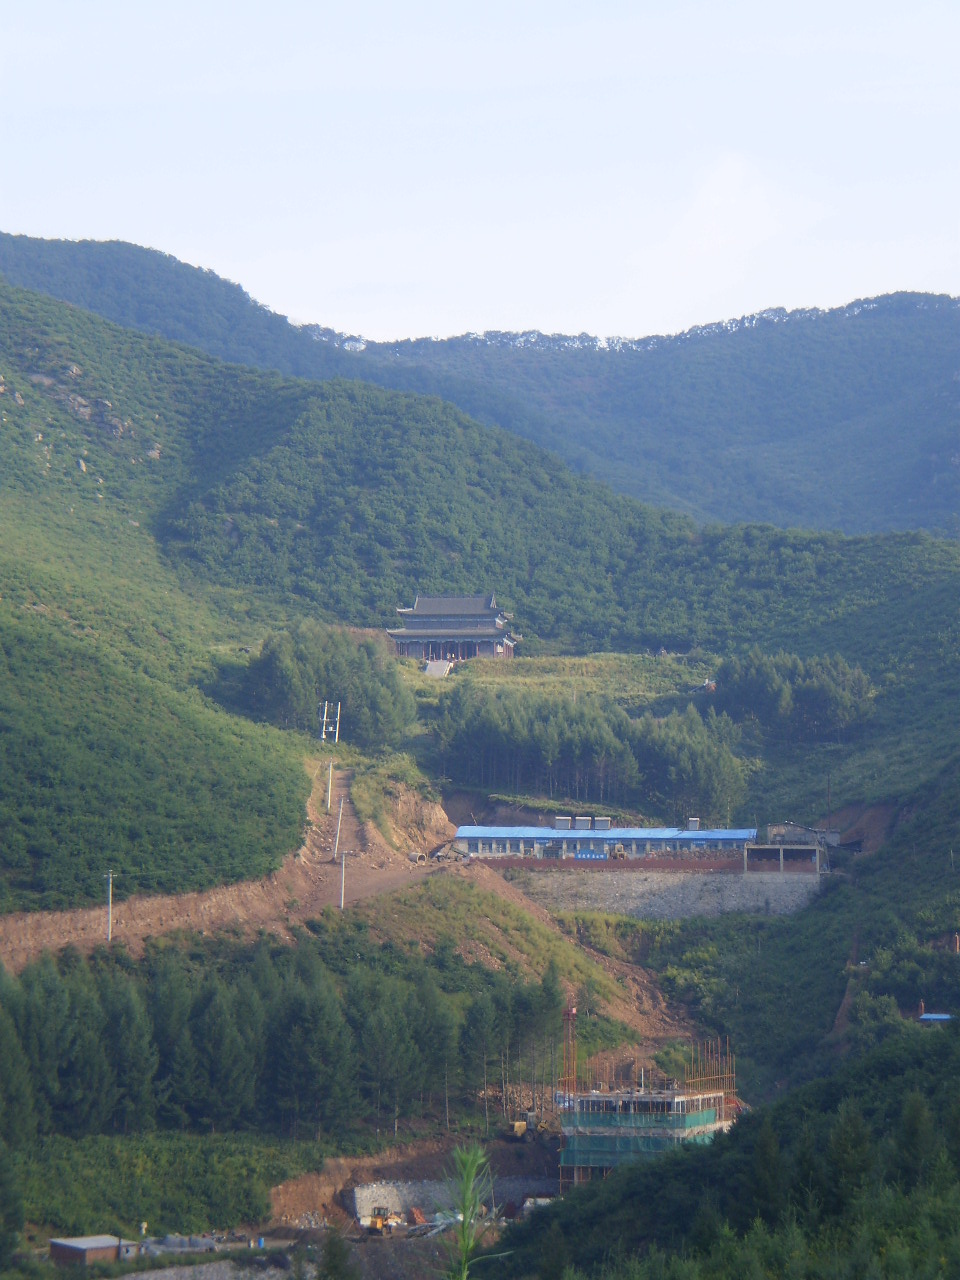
(307, 1043)
(297, 670)
(673, 766)
(790, 697)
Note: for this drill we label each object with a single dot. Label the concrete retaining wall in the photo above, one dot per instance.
(401, 1197)
(654, 895)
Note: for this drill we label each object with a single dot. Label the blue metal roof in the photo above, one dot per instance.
(613, 835)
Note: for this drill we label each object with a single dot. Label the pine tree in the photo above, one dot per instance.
(11, 1208)
(129, 1038)
(18, 1120)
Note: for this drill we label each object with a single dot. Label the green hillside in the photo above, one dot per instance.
(178, 539)
(347, 499)
(110, 755)
(163, 512)
(153, 292)
(844, 419)
(217, 506)
(101, 765)
(855, 1176)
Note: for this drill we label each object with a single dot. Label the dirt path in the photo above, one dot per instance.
(307, 882)
(871, 825)
(842, 1021)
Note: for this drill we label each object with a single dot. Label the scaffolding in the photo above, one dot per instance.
(603, 1129)
(568, 1081)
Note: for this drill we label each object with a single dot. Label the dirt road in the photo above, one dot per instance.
(307, 882)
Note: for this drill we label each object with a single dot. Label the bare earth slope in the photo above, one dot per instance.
(307, 882)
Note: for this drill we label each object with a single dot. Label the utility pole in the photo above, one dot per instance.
(343, 861)
(109, 879)
(329, 785)
(328, 722)
(336, 843)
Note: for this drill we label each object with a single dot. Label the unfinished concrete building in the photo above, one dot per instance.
(606, 1128)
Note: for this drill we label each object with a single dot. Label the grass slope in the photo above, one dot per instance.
(445, 908)
(111, 756)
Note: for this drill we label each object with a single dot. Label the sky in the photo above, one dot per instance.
(430, 169)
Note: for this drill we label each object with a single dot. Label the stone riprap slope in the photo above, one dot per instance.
(668, 895)
(438, 1196)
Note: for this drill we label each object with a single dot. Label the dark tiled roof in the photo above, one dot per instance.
(452, 633)
(445, 606)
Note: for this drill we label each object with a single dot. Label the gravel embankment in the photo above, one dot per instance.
(653, 895)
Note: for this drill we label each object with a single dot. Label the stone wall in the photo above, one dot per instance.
(668, 895)
(433, 1197)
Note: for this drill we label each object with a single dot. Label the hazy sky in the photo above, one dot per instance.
(427, 169)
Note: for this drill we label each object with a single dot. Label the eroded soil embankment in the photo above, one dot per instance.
(307, 882)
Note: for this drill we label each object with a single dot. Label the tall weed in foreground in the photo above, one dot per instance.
(472, 1184)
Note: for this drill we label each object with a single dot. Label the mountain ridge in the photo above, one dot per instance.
(539, 339)
(520, 338)
(839, 419)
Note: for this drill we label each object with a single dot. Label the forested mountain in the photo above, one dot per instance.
(179, 535)
(157, 502)
(847, 419)
(344, 500)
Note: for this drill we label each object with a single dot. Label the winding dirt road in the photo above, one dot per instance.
(307, 882)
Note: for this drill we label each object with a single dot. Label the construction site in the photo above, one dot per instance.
(605, 1113)
(605, 1127)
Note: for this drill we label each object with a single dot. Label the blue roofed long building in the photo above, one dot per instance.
(586, 838)
(595, 839)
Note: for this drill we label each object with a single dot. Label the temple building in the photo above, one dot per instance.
(451, 628)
